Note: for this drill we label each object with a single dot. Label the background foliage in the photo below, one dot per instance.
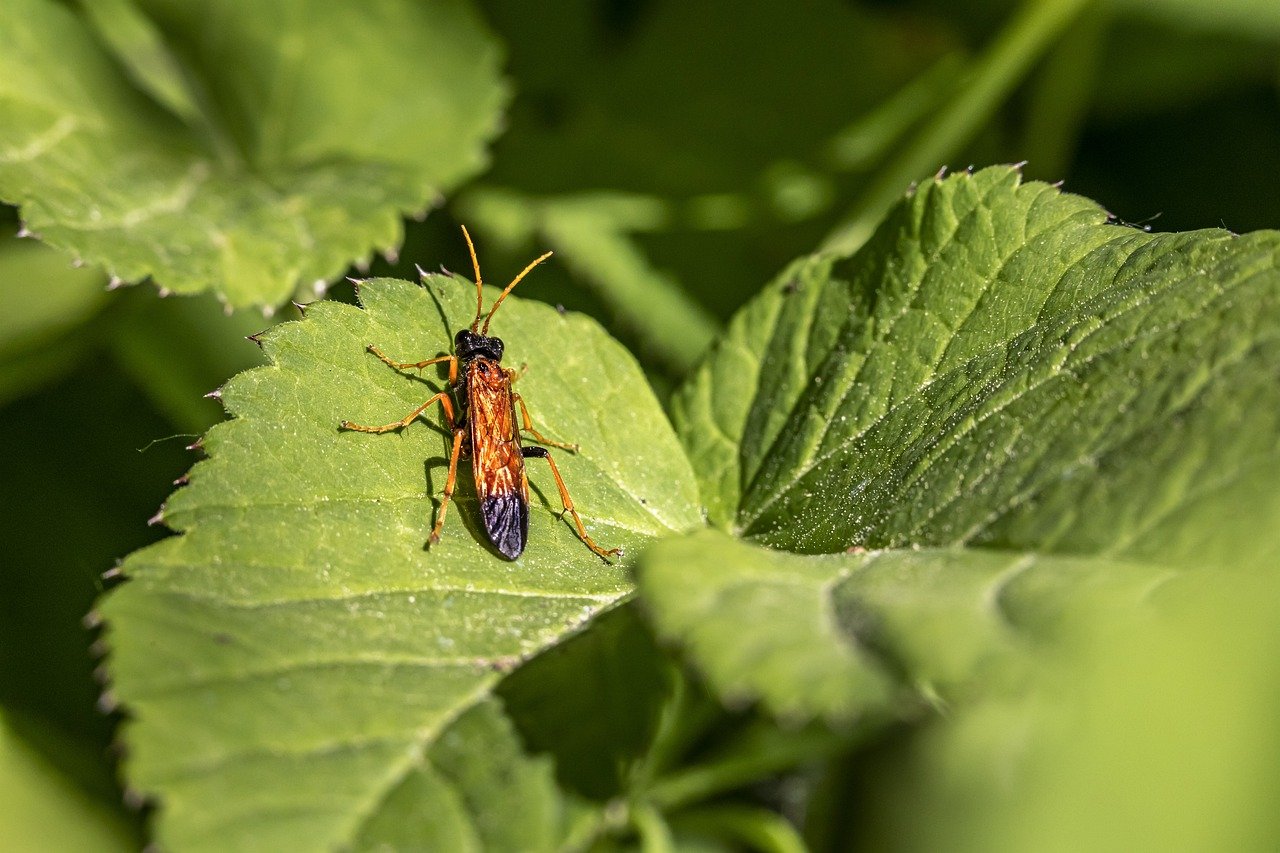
(677, 157)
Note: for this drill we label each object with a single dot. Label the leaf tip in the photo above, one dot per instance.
(301, 307)
(101, 675)
(115, 282)
(391, 254)
(319, 287)
(107, 702)
(164, 292)
(136, 801)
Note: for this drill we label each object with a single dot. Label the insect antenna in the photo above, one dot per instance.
(475, 265)
(484, 330)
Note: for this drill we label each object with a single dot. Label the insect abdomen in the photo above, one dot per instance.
(506, 520)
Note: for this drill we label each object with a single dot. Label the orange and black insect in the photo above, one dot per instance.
(484, 427)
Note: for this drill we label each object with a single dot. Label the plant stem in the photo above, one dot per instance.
(765, 759)
(655, 835)
(757, 828)
(1024, 40)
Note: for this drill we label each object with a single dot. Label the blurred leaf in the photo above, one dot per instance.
(138, 45)
(45, 810)
(291, 658)
(851, 636)
(1002, 367)
(320, 125)
(45, 301)
(1141, 734)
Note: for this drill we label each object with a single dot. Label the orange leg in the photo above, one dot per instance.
(449, 483)
(442, 398)
(527, 426)
(418, 365)
(567, 502)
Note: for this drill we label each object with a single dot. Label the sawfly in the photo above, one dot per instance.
(483, 427)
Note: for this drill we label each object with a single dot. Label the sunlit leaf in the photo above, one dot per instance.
(1001, 366)
(318, 126)
(293, 660)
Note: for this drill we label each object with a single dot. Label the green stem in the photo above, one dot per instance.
(742, 768)
(1061, 97)
(1024, 40)
(756, 828)
(685, 717)
(655, 835)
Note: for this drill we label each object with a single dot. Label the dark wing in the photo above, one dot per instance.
(498, 466)
(506, 520)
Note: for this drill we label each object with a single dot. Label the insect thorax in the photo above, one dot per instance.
(468, 345)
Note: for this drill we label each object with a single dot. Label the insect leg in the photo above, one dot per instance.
(543, 453)
(449, 482)
(527, 426)
(418, 365)
(442, 398)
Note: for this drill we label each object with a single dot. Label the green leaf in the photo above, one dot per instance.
(139, 46)
(295, 656)
(1139, 734)
(852, 637)
(318, 126)
(1001, 366)
(997, 367)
